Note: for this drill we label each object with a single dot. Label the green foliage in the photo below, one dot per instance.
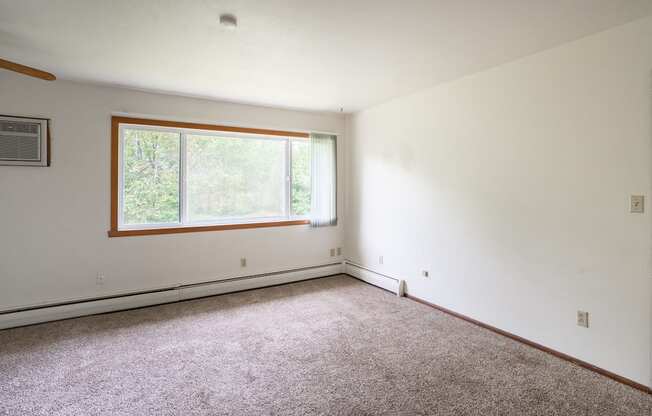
(301, 177)
(226, 177)
(151, 177)
(235, 177)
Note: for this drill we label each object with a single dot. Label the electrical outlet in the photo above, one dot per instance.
(380, 260)
(99, 280)
(332, 252)
(243, 262)
(339, 251)
(583, 319)
(425, 273)
(636, 203)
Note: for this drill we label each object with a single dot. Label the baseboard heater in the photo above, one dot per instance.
(375, 278)
(64, 310)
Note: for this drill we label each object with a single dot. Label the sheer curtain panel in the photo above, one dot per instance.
(323, 203)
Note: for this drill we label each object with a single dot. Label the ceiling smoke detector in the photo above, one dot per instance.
(229, 21)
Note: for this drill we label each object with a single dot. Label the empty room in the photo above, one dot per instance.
(298, 207)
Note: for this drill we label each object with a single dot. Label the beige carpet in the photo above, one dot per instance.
(332, 346)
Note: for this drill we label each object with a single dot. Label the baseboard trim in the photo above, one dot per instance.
(121, 302)
(558, 354)
(240, 284)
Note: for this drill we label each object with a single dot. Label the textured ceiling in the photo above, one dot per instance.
(316, 55)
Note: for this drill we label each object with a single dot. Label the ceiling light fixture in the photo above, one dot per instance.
(229, 21)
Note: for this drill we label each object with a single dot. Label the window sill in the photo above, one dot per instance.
(195, 229)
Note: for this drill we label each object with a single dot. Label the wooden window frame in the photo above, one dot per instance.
(115, 166)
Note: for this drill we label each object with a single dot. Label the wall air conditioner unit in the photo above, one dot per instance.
(24, 141)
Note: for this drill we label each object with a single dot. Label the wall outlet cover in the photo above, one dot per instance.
(636, 203)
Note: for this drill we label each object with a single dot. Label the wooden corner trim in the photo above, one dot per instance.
(558, 354)
(205, 126)
(115, 150)
(114, 232)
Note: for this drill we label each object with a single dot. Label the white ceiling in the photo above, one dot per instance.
(317, 55)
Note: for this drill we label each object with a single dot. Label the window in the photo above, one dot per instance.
(182, 177)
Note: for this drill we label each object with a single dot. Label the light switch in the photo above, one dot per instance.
(636, 203)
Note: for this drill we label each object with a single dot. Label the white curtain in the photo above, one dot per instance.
(323, 200)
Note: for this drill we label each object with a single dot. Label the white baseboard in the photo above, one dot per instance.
(55, 313)
(246, 283)
(372, 277)
(117, 303)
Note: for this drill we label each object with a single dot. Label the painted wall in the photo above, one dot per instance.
(511, 187)
(54, 221)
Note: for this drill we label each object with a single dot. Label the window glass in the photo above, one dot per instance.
(235, 178)
(150, 177)
(176, 176)
(300, 177)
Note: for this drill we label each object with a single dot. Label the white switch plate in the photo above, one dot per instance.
(636, 203)
(583, 319)
(380, 260)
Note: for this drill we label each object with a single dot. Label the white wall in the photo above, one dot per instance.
(54, 221)
(511, 186)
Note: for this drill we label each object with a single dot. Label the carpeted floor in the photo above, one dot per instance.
(332, 346)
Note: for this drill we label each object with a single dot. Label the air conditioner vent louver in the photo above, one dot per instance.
(19, 127)
(19, 148)
(23, 141)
